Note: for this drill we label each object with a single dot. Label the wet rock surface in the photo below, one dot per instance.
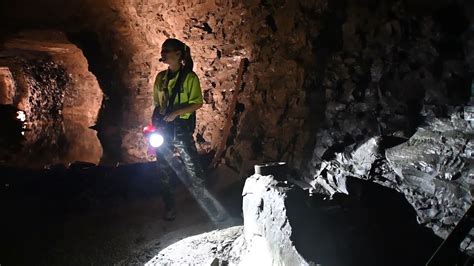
(433, 169)
(49, 81)
(437, 172)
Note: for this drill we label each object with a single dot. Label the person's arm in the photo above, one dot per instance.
(195, 100)
(156, 98)
(184, 110)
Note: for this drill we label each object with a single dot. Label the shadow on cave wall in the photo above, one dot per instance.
(110, 116)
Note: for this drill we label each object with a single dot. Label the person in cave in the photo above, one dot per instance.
(177, 95)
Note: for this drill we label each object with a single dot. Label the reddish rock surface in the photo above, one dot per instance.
(269, 123)
(51, 83)
(275, 37)
(61, 66)
(7, 86)
(307, 59)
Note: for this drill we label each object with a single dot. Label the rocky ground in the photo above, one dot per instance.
(211, 248)
(88, 215)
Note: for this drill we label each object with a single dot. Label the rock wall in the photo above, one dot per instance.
(7, 86)
(402, 74)
(41, 86)
(398, 63)
(434, 170)
(274, 36)
(52, 78)
(347, 70)
(50, 82)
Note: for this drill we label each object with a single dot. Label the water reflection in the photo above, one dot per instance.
(46, 143)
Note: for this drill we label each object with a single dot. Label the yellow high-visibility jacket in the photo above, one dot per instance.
(163, 89)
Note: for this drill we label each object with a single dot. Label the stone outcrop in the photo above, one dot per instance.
(434, 170)
(267, 228)
(283, 226)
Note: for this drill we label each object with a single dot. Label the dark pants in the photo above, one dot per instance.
(181, 143)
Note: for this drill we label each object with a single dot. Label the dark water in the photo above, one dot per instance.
(37, 144)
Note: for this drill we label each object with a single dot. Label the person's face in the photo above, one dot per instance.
(170, 56)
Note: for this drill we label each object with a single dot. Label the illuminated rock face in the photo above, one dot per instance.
(7, 86)
(315, 66)
(53, 78)
(276, 38)
(267, 228)
(48, 78)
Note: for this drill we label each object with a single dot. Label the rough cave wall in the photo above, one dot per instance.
(394, 95)
(314, 66)
(7, 86)
(399, 62)
(274, 36)
(48, 79)
(52, 77)
(339, 56)
(40, 87)
(271, 120)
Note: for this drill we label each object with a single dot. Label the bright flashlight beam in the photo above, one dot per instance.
(156, 140)
(208, 203)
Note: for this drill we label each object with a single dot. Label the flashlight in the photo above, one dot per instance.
(153, 135)
(155, 140)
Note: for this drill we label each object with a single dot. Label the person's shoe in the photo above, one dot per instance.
(170, 215)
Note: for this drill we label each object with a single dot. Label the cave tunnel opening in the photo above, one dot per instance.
(60, 98)
(110, 116)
